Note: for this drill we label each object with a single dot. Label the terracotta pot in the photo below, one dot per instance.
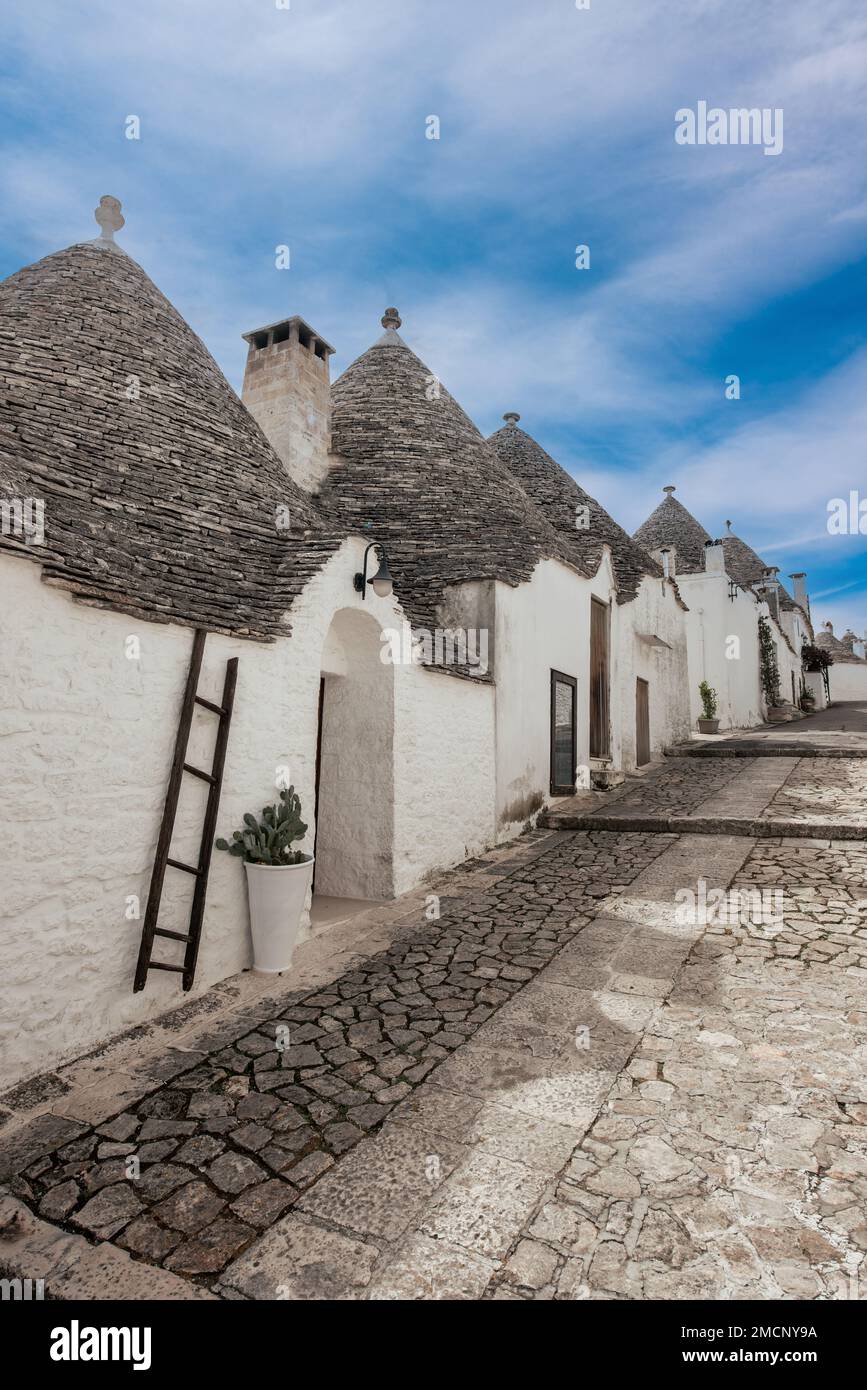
(277, 893)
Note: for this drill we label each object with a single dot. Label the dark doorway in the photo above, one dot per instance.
(599, 715)
(318, 771)
(564, 727)
(642, 722)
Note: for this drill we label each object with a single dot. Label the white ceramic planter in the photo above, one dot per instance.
(277, 894)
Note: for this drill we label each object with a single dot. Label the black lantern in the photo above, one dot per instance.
(381, 582)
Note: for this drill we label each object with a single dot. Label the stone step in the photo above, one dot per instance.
(702, 825)
(745, 748)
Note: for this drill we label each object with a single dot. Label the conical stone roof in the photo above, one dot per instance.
(416, 474)
(557, 496)
(826, 639)
(672, 525)
(162, 496)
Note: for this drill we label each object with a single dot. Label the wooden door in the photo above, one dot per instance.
(599, 717)
(642, 722)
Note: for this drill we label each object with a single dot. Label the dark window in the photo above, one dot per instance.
(599, 718)
(563, 733)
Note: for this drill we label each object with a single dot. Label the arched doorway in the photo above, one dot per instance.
(355, 765)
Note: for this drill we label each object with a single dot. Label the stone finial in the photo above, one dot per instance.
(109, 216)
(829, 627)
(511, 418)
(729, 531)
(391, 319)
(670, 489)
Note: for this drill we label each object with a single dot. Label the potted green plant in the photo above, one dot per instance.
(709, 724)
(278, 878)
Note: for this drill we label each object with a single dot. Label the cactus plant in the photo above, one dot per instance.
(268, 841)
(708, 700)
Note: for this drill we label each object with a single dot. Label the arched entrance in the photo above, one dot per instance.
(355, 764)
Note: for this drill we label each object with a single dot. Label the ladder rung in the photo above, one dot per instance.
(187, 868)
(209, 704)
(197, 772)
(175, 935)
(158, 965)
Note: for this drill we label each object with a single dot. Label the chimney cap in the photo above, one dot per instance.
(801, 574)
(391, 319)
(304, 330)
(511, 417)
(670, 489)
(109, 216)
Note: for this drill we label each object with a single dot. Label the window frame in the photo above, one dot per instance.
(560, 677)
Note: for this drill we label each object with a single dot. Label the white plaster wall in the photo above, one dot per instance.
(653, 612)
(816, 685)
(87, 742)
(848, 681)
(539, 626)
(789, 663)
(445, 772)
(712, 621)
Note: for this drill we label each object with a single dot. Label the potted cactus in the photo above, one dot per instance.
(278, 878)
(709, 724)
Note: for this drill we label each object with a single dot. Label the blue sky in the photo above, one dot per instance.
(305, 126)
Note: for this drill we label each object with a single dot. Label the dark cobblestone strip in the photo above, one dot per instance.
(224, 1147)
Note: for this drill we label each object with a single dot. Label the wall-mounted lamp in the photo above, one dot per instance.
(733, 590)
(381, 581)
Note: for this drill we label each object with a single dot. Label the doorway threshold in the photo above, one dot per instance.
(327, 912)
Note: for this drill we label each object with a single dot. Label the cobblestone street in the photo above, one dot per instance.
(565, 1086)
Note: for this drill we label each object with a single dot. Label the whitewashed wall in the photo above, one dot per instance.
(87, 738)
(539, 626)
(713, 621)
(654, 612)
(444, 775)
(848, 681)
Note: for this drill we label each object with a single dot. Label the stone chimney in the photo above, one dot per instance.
(714, 557)
(799, 588)
(770, 590)
(666, 556)
(287, 390)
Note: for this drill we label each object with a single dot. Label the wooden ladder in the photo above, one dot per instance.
(214, 779)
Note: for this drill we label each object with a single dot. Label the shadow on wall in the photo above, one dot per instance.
(355, 763)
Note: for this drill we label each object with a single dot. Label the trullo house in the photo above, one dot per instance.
(420, 719)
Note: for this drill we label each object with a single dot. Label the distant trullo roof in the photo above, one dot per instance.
(416, 474)
(162, 496)
(557, 495)
(672, 525)
(826, 639)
